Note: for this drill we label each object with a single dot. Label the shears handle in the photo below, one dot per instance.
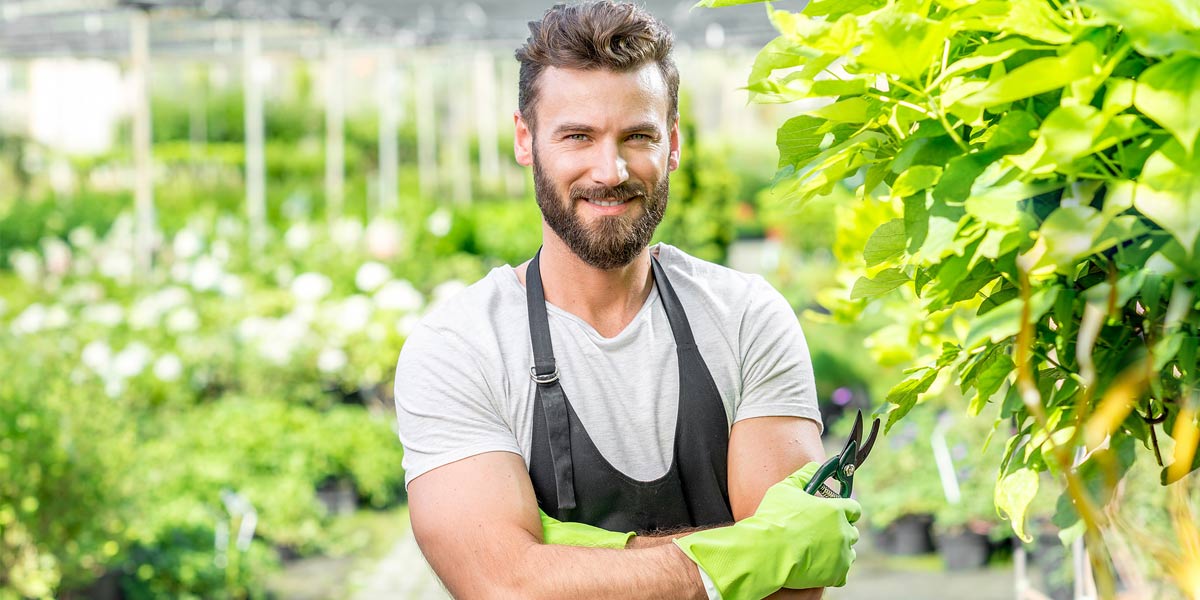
(835, 467)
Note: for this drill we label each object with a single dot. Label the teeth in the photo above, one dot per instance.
(601, 203)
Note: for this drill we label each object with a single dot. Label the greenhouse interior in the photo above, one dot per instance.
(221, 220)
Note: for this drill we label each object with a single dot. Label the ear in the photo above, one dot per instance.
(673, 157)
(522, 140)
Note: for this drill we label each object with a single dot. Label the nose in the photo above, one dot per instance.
(610, 168)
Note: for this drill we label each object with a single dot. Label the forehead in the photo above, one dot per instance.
(601, 95)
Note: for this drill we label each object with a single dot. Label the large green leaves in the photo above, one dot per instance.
(1157, 27)
(1036, 77)
(1169, 93)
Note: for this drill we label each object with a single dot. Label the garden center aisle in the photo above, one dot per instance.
(404, 575)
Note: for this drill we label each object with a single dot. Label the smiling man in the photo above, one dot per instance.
(610, 419)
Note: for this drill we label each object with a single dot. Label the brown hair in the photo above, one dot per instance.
(600, 34)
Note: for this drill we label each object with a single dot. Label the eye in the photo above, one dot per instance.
(640, 137)
(578, 137)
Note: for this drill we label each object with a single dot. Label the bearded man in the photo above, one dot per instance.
(610, 419)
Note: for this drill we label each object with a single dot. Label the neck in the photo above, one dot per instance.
(606, 299)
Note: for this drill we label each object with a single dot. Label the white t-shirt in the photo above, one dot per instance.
(463, 385)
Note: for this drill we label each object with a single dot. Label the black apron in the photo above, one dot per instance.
(574, 482)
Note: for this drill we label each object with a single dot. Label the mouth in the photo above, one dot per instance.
(607, 201)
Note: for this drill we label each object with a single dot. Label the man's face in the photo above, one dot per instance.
(600, 157)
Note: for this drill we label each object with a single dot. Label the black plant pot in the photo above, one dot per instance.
(338, 496)
(963, 550)
(910, 534)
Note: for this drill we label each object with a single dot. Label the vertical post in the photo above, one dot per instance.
(456, 165)
(335, 114)
(485, 119)
(198, 117)
(389, 126)
(252, 98)
(143, 159)
(425, 100)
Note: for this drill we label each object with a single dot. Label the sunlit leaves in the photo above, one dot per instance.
(1169, 93)
(1036, 77)
(1014, 492)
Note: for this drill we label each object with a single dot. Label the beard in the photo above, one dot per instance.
(610, 241)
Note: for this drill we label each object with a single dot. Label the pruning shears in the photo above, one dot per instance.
(842, 465)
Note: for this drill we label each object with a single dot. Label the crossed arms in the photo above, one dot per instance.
(477, 523)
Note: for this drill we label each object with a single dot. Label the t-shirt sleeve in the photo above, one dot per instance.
(445, 406)
(777, 375)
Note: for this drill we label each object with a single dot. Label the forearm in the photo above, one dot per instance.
(650, 541)
(547, 571)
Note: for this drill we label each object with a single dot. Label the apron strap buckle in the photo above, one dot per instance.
(543, 379)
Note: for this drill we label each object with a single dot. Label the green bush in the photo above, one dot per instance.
(64, 495)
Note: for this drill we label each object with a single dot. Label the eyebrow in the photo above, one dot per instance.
(584, 128)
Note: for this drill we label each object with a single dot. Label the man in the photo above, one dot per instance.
(598, 381)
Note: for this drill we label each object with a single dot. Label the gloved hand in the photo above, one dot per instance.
(581, 534)
(794, 540)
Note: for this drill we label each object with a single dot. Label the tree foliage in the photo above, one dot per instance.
(1027, 170)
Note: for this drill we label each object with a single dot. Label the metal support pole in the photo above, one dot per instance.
(425, 101)
(335, 116)
(485, 119)
(252, 97)
(389, 126)
(143, 159)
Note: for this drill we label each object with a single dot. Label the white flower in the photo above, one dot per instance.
(311, 287)
(447, 289)
(221, 251)
(58, 256)
(27, 265)
(439, 222)
(168, 368)
(117, 265)
(84, 292)
(232, 286)
(399, 295)
(298, 237)
(206, 274)
(82, 237)
(383, 238)
(183, 319)
(331, 360)
(346, 232)
(97, 356)
(114, 387)
(187, 244)
(181, 272)
(371, 275)
(57, 317)
(131, 361)
(354, 313)
(229, 227)
(31, 320)
(284, 275)
(108, 314)
(252, 328)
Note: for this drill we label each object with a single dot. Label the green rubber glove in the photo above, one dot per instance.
(794, 540)
(581, 534)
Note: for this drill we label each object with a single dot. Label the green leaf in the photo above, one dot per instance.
(916, 179)
(799, 140)
(1066, 135)
(904, 395)
(1005, 321)
(1157, 27)
(886, 281)
(1169, 194)
(993, 374)
(1036, 77)
(1014, 492)
(990, 52)
(1068, 233)
(994, 210)
(850, 110)
(1169, 93)
(1036, 19)
(885, 243)
(902, 43)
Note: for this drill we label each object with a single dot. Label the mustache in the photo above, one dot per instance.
(621, 191)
